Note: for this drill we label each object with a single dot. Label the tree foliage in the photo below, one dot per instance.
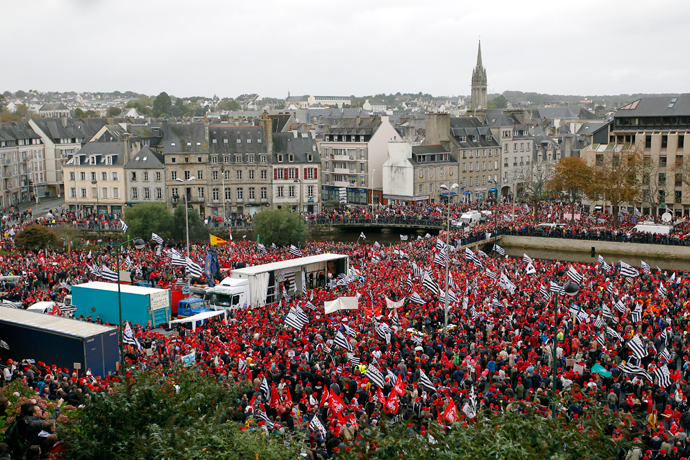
(571, 178)
(500, 101)
(36, 236)
(114, 111)
(280, 227)
(197, 229)
(153, 416)
(146, 218)
(616, 178)
(161, 104)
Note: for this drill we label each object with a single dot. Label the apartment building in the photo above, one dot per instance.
(145, 177)
(22, 164)
(296, 172)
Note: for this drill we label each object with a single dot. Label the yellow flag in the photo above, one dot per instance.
(215, 241)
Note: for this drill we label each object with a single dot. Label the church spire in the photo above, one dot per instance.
(479, 56)
(479, 83)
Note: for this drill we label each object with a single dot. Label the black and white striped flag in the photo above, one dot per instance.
(418, 272)
(663, 292)
(506, 284)
(295, 251)
(440, 245)
(544, 292)
(156, 238)
(294, 321)
(409, 281)
(123, 226)
(491, 274)
(128, 337)
(481, 253)
(342, 341)
(574, 275)
(430, 284)
(426, 382)
(261, 248)
(620, 306)
(628, 271)
(416, 298)
(636, 315)
(310, 305)
(242, 366)
(128, 263)
(527, 259)
(636, 370)
(582, 316)
(353, 359)
(530, 270)
(599, 322)
(645, 267)
(664, 336)
(663, 376)
(261, 415)
(499, 250)
(95, 271)
(637, 348)
(375, 376)
(441, 259)
(417, 339)
(601, 340)
(316, 425)
(108, 274)
(193, 268)
(177, 259)
(382, 329)
(613, 333)
(606, 311)
(265, 390)
(555, 288)
(665, 355)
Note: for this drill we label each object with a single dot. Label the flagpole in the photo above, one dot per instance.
(138, 243)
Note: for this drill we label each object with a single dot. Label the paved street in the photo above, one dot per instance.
(43, 206)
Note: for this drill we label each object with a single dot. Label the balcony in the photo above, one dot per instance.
(341, 171)
(337, 183)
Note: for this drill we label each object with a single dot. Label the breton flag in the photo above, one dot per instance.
(499, 250)
(506, 284)
(261, 248)
(544, 292)
(353, 359)
(294, 321)
(124, 226)
(416, 298)
(613, 333)
(242, 366)
(620, 306)
(215, 241)
(638, 213)
(637, 348)
(491, 274)
(409, 281)
(316, 425)
(128, 337)
(95, 271)
(177, 259)
(403, 237)
(645, 267)
(310, 306)
(295, 251)
(342, 341)
(636, 315)
(193, 268)
(628, 271)
(441, 259)
(418, 272)
(530, 269)
(426, 382)
(108, 274)
(265, 390)
(628, 368)
(555, 288)
(440, 245)
(665, 355)
(601, 340)
(128, 263)
(662, 290)
(156, 238)
(375, 376)
(481, 253)
(262, 416)
(526, 258)
(575, 275)
(363, 236)
(663, 376)
(430, 284)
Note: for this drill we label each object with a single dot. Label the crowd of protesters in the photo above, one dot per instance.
(496, 355)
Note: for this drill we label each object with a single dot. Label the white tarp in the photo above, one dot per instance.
(391, 304)
(200, 317)
(341, 303)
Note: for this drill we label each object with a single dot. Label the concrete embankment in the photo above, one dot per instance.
(608, 247)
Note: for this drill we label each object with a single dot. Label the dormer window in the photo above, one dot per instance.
(280, 158)
(291, 158)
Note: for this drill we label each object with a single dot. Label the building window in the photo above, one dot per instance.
(135, 193)
(291, 173)
(264, 159)
(93, 177)
(187, 175)
(200, 175)
(158, 176)
(310, 191)
(200, 192)
(291, 191)
(251, 193)
(238, 174)
(238, 158)
(251, 174)
(250, 158)
(146, 177)
(73, 192)
(104, 176)
(664, 141)
(215, 194)
(214, 159)
(279, 173)
(82, 176)
(263, 174)
(679, 196)
(147, 193)
(263, 193)
(240, 193)
(226, 175)
(280, 191)
(173, 175)
(228, 194)
(214, 175)
(159, 193)
(116, 193)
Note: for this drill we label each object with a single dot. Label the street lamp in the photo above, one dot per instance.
(299, 215)
(492, 181)
(445, 313)
(139, 244)
(571, 289)
(186, 209)
(225, 211)
(95, 182)
(371, 184)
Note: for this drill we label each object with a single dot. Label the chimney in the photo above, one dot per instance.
(63, 120)
(267, 124)
(127, 151)
(358, 120)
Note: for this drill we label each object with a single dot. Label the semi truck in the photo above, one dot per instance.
(140, 305)
(67, 343)
(259, 285)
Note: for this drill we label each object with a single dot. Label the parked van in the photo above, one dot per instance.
(471, 217)
(651, 227)
(42, 307)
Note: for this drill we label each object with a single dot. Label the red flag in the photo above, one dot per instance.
(353, 421)
(287, 401)
(336, 403)
(399, 386)
(451, 412)
(379, 394)
(275, 399)
(324, 396)
(339, 424)
(392, 404)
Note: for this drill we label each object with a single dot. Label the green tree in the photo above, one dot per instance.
(36, 236)
(280, 227)
(500, 101)
(197, 230)
(79, 113)
(146, 218)
(161, 104)
(228, 104)
(571, 177)
(114, 111)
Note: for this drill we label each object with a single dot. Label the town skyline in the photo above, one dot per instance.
(293, 48)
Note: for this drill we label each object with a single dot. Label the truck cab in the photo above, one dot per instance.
(230, 294)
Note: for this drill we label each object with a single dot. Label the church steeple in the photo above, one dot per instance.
(479, 83)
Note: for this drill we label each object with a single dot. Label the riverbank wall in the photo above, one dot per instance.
(607, 247)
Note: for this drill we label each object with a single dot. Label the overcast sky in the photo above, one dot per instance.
(355, 47)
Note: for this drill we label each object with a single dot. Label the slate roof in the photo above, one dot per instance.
(221, 133)
(16, 130)
(431, 148)
(299, 146)
(589, 128)
(279, 121)
(465, 122)
(366, 126)
(117, 149)
(657, 106)
(53, 106)
(500, 119)
(187, 138)
(146, 159)
(79, 128)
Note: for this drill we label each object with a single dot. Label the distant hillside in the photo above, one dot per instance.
(613, 101)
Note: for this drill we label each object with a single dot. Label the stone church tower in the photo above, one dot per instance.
(479, 84)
